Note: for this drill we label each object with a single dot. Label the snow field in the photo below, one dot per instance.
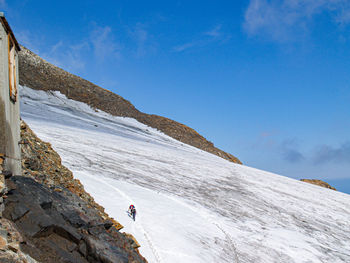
(192, 206)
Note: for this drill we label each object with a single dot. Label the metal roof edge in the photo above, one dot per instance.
(9, 30)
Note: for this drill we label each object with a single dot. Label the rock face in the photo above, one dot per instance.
(10, 240)
(43, 164)
(36, 73)
(49, 217)
(58, 226)
(318, 182)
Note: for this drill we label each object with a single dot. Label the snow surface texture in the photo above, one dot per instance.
(192, 206)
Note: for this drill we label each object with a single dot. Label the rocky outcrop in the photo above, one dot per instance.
(36, 73)
(10, 238)
(318, 182)
(43, 164)
(58, 226)
(10, 241)
(48, 216)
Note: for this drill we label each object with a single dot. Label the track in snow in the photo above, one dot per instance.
(270, 218)
(207, 218)
(137, 221)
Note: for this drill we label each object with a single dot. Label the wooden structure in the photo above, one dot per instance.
(9, 99)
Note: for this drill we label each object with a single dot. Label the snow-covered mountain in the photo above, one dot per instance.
(38, 74)
(192, 206)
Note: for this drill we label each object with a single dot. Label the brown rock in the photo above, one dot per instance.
(13, 247)
(3, 243)
(2, 187)
(2, 178)
(319, 183)
(116, 224)
(133, 240)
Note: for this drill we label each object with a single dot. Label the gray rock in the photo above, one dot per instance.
(61, 227)
(19, 210)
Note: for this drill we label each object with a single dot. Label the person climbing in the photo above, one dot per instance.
(132, 211)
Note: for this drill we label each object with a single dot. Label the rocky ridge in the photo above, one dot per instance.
(58, 226)
(319, 183)
(48, 217)
(37, 73)
(42, 163)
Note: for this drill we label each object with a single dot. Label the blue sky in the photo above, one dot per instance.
(268, 81)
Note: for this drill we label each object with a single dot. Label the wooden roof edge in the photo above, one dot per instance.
(9, 30)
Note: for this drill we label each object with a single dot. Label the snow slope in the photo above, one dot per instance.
(192, 206)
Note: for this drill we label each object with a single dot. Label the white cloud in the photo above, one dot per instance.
(183, 47)
(28, 40)
(140, 33)
(98, 45)
(214, 32)
(67, 56)
(104, 43)
(283, 20)
(144, 41)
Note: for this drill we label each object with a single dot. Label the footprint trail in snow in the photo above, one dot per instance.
(239, 214)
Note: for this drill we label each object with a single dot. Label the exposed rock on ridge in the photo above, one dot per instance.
(43, 164)
(318, 182)
(36, 73)
(58, 226)
(54, 219)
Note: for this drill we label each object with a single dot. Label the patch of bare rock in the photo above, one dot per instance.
(47, 216)
(10, 238)
(319, 183)
(43, 164)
